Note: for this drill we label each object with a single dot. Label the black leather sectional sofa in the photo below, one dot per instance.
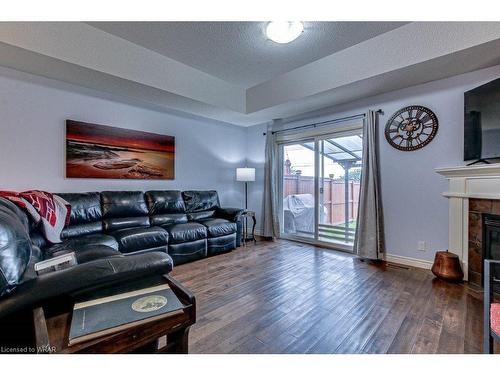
(187, 225)
(116, 236)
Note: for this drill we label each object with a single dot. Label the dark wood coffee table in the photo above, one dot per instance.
(168, 335)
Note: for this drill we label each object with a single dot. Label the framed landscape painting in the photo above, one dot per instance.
(98, 151)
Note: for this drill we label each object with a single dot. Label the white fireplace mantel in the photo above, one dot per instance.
(465, 182)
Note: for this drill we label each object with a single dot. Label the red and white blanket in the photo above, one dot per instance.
(50, 210)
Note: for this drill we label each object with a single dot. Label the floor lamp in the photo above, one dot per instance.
(245, 175)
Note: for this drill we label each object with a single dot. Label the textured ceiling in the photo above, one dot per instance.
(239, 52)
(83, 55)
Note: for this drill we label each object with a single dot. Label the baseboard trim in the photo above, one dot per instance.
(397, 259)
(407, 261)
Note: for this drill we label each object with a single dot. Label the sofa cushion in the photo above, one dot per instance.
(86, 214)
(90, 253)
(200, 200)
(123, 209)
(123, 204)
(111, 225)
(85, 207)
(17, 213)
(195, 216)
(187, 252)
(164, 202)
(218, 227)
(81, 229)
(30, 273)
(167, 219)
(222, 244)
(186, 232)
(15, 246)
(137, 239)
(82, 242)
(38, 240)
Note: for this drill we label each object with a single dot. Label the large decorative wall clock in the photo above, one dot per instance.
(411, 128)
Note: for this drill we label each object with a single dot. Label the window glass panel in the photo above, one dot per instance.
(298, 190)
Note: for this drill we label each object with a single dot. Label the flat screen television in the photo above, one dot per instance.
(482, 122)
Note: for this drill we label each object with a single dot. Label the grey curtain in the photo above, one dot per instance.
(369, 242)
(270, 219)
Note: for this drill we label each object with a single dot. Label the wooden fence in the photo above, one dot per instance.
(333, 195)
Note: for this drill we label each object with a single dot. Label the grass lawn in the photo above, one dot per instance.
(337, 233)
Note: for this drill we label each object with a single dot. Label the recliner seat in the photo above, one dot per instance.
(84, 228)
(126, 218)
(204, 208)
(74, 244)
(221, 235)
(217, 227)
(187, 239)
(186, 232)
(141, 239)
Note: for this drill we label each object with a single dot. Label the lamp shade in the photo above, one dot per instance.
(245, 174)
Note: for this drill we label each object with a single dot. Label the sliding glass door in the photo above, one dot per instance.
(340, 174)
(298, 187)
(320, 184)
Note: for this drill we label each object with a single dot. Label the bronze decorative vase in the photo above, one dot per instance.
(447, 267)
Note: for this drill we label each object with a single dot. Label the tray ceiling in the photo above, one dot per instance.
(229, 72)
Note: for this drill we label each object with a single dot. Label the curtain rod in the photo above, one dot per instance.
(314, 125)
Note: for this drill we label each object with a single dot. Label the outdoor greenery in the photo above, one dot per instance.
(354, 175)
(336, 233)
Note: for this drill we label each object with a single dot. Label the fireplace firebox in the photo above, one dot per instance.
(491, 242)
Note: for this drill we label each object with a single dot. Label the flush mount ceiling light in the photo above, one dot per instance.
(284, 31)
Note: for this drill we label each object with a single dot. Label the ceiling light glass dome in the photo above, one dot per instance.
(284, 31)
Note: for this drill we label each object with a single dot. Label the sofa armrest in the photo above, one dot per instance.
(229, 213)
(99, 273)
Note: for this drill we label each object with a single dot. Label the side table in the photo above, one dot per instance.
(167, 335)
(245, 237)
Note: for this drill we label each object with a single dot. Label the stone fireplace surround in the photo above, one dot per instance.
(472, 192)
(477, 208)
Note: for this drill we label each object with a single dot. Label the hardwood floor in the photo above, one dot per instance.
(286, 297)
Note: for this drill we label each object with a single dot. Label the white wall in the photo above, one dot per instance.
(207, 153)
(32, 128)
(414, 207)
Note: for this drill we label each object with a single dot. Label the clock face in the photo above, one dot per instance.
(411, 128)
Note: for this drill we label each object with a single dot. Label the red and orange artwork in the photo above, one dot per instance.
(99, 151)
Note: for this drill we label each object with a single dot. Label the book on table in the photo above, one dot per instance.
(103, 316)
